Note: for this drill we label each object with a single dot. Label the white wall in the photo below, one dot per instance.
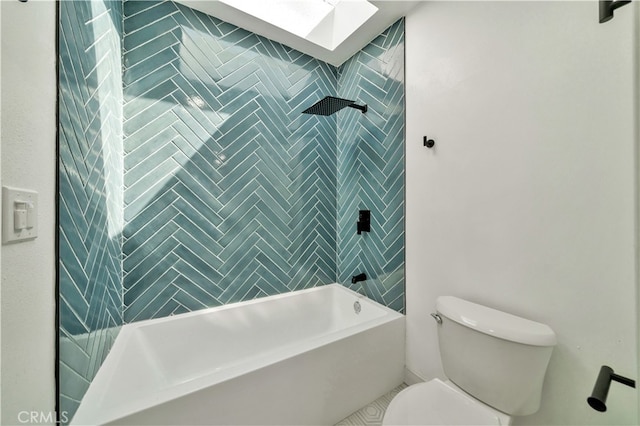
(0, 220)
(637, 156)
(527, 201)
(28, 161)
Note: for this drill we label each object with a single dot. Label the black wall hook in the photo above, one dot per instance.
(429, 143)
(608, 6)
(598, 397)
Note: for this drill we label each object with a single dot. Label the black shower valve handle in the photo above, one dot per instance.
(364, 222)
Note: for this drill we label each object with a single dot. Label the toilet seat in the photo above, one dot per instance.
(438, 403)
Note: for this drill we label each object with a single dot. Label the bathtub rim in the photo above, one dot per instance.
(233, 305)
(99, 412)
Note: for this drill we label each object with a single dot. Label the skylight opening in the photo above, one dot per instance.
(326, 23)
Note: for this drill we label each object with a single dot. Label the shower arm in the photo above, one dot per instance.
(362, 108)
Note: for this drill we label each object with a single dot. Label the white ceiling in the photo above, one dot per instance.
(389, 11)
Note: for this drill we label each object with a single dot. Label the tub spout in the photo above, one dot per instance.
(359, 277)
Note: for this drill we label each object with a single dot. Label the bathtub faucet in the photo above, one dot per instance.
(359, 277)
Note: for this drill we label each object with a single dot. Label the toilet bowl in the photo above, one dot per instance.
(495, 363)
(440, 403)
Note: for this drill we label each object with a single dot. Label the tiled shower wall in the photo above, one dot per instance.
(229, 191)
(90, 196)
(371, 169)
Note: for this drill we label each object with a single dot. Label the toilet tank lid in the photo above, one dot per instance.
(495, 323)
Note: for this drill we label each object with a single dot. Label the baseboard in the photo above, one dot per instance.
(411, 378)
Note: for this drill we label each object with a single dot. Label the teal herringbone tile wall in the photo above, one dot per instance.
(230, 192)
(90, 196)
(371, 169)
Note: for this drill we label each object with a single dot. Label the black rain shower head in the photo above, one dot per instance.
(330, 104)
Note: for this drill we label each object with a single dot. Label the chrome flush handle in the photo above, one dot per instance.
(437, 318)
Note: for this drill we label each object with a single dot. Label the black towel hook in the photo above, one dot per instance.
(429, 143)
(608, 6)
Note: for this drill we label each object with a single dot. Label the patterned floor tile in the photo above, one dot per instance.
(371, 414)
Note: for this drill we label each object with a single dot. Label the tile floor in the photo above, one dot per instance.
(371, 414)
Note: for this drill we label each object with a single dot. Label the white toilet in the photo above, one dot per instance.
(495, 363)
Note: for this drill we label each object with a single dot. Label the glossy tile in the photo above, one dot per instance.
(239, 180)
(371, 169)
(90, 182)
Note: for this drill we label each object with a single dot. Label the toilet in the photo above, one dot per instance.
(495, 364)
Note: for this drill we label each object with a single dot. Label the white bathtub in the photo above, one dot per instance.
(298, 358)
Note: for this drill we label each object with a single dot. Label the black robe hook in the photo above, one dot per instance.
(608, 6)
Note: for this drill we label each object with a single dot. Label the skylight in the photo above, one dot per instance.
(326, 23)
(329, 30)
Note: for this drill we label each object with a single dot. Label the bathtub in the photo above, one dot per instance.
(309, 357)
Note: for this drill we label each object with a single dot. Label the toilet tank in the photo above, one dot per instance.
(498, 358)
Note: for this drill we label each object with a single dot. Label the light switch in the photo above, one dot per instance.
(19, 214)
(31, 215)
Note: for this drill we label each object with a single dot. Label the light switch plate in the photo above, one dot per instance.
(21, 205)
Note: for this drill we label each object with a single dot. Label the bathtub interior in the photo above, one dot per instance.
(235, 335)
(159, 360)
